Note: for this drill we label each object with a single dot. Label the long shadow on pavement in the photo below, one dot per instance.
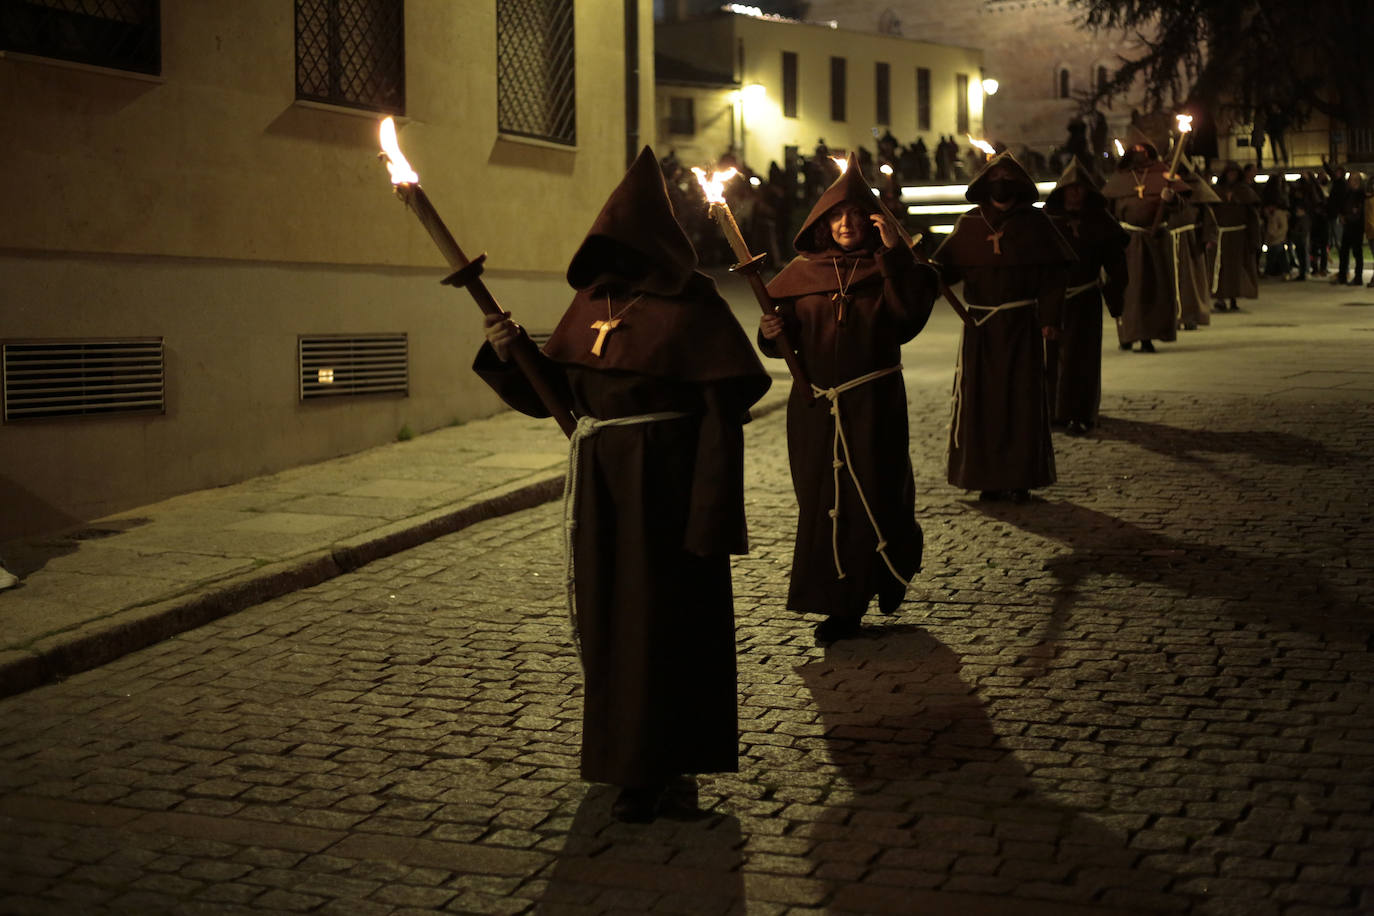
(1250, 586)
(942, 815)
(1184, 444)
(681, 863)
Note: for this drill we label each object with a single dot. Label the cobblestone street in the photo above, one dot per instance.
(1150, 692)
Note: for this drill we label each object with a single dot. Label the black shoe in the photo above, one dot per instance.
(1234, 307)
(1076, 428)
(1189, 326)
(992, 496)
(836, 627)
(1218, 306)
(637, 804)
(1126, 345)
(1147, 347)
(1020, 497)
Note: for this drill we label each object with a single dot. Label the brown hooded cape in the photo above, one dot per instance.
(1000, 431)
(888, 298)
(1150, 307)
(660, 505)
(1073, 368)
(1233, 235)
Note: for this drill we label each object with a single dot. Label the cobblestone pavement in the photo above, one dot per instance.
(1150, 692)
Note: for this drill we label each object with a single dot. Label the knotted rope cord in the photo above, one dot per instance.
(587, 427)
(1178, 290)
(840, 444)
(959, 356)
(1216, 264)
(1081, 288)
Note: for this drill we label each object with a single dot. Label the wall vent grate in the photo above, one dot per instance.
(83, 378)
(334, 364)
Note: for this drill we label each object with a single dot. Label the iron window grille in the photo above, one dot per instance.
(335, 364)
(82, 378)
(922, 98)
(961, 112)
(535, 70)
(882, 90)
(789, 84)
(120, 34)
(351, 53)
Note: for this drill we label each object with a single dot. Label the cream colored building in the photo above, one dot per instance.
(800, 82)
(203, 227)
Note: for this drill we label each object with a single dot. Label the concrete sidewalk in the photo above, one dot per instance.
(123, 582)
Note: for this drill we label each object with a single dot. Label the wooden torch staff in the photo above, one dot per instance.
(749, 265)
(1185, 125)
(468, 273)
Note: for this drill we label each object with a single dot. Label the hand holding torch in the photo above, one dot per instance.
(749, 265)
(1185, 124)
(466, 272)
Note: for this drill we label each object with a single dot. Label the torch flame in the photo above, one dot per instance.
(983, 145)
(396, 164)
(1120, 150)
(714, 187)
(1185, 123)
(841, 163)
(885, 169)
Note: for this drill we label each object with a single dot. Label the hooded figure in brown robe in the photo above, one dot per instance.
(1148, 203)
(1189, 262)
(661, 377)
(1074, 360)
(1015, 267)
(849, 300)
(1233, 235)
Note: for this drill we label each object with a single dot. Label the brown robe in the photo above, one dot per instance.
(660, 505)
(887, 299)
(1190, 264)
(1000, 432)
(1074, 369)
(1233, 237)
(1150, 309)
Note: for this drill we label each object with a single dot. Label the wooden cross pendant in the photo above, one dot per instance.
(1140, 191)
(840, 300)
(996, 239)
(602, 328)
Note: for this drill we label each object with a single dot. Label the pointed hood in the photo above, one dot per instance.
(636, 239)
(1075, 173)
(979, 189)
(850, 187)
(1200, 186)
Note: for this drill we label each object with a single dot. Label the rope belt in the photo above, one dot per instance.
(1216, 265)
(1129, 227)
(959, 356)
(1081, 288)
(586, 428)
(1174, 235)
(840, 446)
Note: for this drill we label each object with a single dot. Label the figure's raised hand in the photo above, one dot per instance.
(888, 230)
(770, 326)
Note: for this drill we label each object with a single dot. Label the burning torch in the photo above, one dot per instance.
(465, 273)
(749, 265)
(1185, 124)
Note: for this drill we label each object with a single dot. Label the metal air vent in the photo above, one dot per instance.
(82, 378)
(337, 364)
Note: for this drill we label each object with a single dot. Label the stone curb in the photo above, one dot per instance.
(122, 632)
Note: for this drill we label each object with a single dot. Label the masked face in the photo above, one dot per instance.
(1074, 196)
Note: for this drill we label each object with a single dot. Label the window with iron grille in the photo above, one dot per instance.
(535, 70)
(681, 115)
(789, 84)
(837, 88)
(882, 90)
(120, 34)
(351, 53)
(961, 102)
(923, 98)
(82, 377)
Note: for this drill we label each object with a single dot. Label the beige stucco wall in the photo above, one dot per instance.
(765, 132)
(209, 208)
